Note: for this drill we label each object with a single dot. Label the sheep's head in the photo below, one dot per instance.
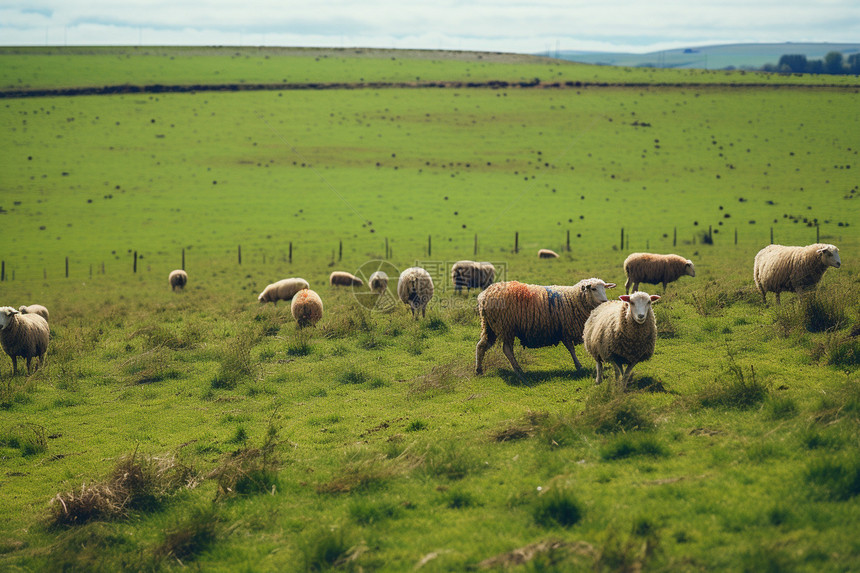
(830, 256)
(690, 268)
(639, 305)
(596, 288)
(6, 314)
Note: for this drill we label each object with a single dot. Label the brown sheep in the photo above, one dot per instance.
(655, 269)
(342, 278)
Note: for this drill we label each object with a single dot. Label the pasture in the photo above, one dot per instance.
(367, 443)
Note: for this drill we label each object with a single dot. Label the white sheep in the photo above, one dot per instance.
(24, 335)
(306, 308)
(35, 309)
(342, 278)
(378, 282)
(547, 254)
(653, 269)
(778, 268)
(471, 274)
(538, 315)
(415, 289)
(177, 279)
(284, 289)
(622, 332)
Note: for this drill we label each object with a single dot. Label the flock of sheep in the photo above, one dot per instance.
(621, 332)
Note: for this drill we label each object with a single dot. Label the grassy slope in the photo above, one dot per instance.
(388, 407)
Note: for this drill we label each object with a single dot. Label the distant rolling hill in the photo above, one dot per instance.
(740, 56)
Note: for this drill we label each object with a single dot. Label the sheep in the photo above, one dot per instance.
(24, 335)
(284, 289)
(622, 332)
(378, 282)
(547, 254)
(35, 309)
(778, 268)
(341, 278)
(415, 289)
(471, 275)
(306, 308)
(538, 315)
(177, 279)
(654, 269)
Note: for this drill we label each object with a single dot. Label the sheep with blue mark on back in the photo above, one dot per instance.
(536, 315)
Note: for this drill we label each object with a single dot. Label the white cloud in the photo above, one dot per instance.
(504, 25)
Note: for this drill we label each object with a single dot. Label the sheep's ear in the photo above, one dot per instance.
(624, 297)
(655, 297)
(689, 263)
(583, 288)
(822, 250)
(609, 285)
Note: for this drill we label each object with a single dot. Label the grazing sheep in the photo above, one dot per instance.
(538, 315)
(378, 282)
(654, 269)
(24, 335)
(341, 278)
(307, 308)
(415, 289)
(177, 279)
(35, 309)
(471, 275)
(778, 268)
(547, 254)
(622, 332)
(284, 289)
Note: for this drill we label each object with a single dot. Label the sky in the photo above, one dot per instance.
(519, 26)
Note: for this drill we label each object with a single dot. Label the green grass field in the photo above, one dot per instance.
(200, 429)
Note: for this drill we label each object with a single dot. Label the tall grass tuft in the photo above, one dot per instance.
(137, 482)
(814, 311)
(31, 439)
(236, 365)
(608, 410)
(734, 389)
(558, 506)
(835, 478)
(329, 548)
(249, 470)
(191, 536)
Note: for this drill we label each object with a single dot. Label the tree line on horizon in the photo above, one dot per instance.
(834, 63)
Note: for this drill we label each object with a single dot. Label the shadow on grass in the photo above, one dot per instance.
(534, 378)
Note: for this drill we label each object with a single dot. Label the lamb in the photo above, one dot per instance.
(306, 308)
(24, 335)
(415, 289)
(35, 309)
(622, 332)
(655, 269)
(341, 278)
(538, 315)
(284, 289)
(778, 268)
(177, 279)
(378, 282)
(547, 254)
(471, 275)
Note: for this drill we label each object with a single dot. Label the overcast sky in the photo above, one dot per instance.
(501, 25)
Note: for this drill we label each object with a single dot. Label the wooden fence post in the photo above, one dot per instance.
(429, 245)
(771, 235)
(291, 252)
(516, 241)
(622, 238)
(675, 237)
(568, 240)
(340, 250)
(240, 254)
(134, 268)
(67, 267)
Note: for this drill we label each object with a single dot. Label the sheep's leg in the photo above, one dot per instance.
(599, 378)
(618, 372)
(488, 338)
(777, 298)
(508, 349)
(627, 286)
(664, 287)
(628, 375)
(635, 286)
(29, 358)
(14, 365)
(570, 348)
